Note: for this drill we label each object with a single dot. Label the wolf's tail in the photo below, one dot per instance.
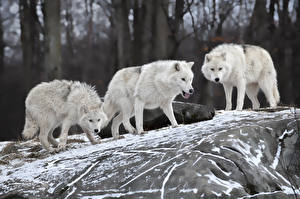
(31, 127)
(276, 93)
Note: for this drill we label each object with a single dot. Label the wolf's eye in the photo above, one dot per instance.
(98, 120)
(183, 79)
(90, 120)
(220, 69)
(212, 69)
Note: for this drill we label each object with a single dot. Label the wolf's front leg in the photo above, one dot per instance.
(63, 136)
(138, 111)
(241, 89)
(91, 137)
(228, 94)
(168, 110)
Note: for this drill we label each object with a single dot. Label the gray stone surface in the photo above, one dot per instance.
(237, 154)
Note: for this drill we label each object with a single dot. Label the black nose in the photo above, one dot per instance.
(96, 130)
(191, 91)
(217, 79)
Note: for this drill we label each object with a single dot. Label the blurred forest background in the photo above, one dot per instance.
(90, 40)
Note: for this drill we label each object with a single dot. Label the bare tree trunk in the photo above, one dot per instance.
(296, 58)
(30, 38)
(272, 26)
(161, 30)
(285, 54)
(2, 45)
(139, 23)
(228, 7)
(298, 15)
(174, 25)
(69, 28)
(214, 13)
(147, 52)
(121, 12)
(52, 63)
(90, 15)
(257, 27)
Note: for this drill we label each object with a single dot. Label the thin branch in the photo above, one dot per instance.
(193, 21)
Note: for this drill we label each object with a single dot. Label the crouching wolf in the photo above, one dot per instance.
(61, 103)
(149, 86)
(246, 67)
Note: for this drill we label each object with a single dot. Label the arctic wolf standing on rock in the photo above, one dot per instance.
(149, 86)
(62, 103)
(245, 66)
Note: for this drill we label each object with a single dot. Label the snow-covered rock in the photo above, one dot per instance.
(237, 154)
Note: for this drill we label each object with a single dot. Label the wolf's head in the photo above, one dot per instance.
(182, 78)
(91, 118)
(215, 67)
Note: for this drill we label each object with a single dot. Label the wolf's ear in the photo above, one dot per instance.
(177, 66)
(84, 109)
(190, 64)
(223, 55)
(207, 57)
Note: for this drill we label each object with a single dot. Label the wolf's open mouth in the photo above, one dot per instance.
(185, 95)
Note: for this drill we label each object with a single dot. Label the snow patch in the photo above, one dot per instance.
(228, 185)
(167, 178)
(194, 190)
(286, 133)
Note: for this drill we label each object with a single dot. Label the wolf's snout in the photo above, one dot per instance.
(217, 79)
(96, 130)
(191, 91)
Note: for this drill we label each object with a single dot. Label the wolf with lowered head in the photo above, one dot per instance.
(62, 103)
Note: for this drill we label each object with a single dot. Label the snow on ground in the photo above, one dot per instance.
(83, 156)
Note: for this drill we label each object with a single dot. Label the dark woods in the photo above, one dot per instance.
(90, 40)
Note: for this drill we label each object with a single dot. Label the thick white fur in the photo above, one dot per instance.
(152, 85)
(246, 67)
(62, 103)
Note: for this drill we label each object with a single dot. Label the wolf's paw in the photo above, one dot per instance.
(96, 142)
(119, 137)
(143, 132)
(133, 131)
(60, 147)
(51, 150)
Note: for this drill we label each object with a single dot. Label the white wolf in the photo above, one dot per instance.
(246, 67)
(62, 103)
(149, 86)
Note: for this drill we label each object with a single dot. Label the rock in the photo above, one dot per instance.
(237, 154)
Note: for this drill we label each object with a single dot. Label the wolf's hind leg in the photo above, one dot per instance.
(115, 126)
(252, 91)
(44, 131)
(51, 138)
(128, 111)
(128, 126)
